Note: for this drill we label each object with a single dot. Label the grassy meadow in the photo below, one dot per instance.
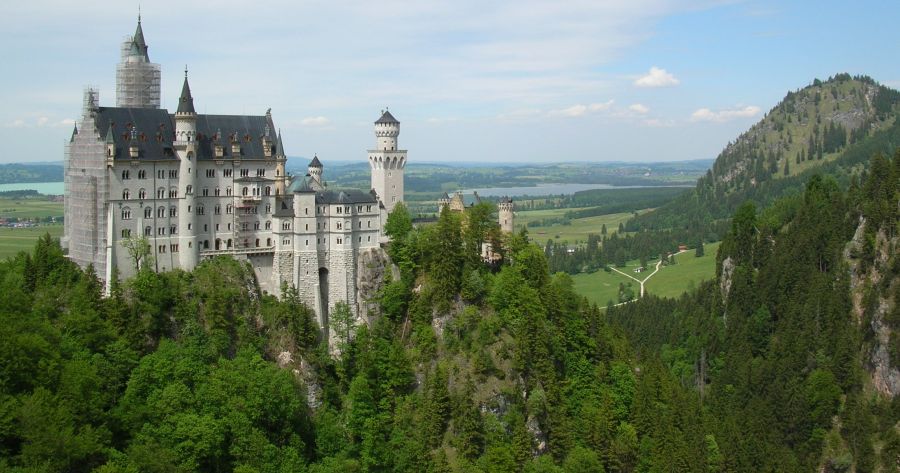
(577, 230)
(13, 240)
(30, 208)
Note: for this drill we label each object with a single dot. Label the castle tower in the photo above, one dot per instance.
(186, 149)
(281, 156)
(137, 79)
(444, 201)
(314, 170)
(387, 162)
(505, 211)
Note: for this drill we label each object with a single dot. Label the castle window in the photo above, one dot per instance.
(161, 211)
(368, 238)
(229, 209)
(368, 208)
(205, 191)
(286, 226)
(339, 209)
(307, 242)
(161, 231)
(257, 242)
(347, 209)
(229, 227)
(126, 194)
(173, 230)
(268, 208)
(218, 192)
(268, 242)
(148, 231)
(359, 208)
(307, 227)
(142, 194)
(268, 190)
(340, 241)
(228, 191)
(161, 193)
(189, 209)
(369, 223)
(161, 174)
(174, 247)
(161, 248)
(173, 211)
(339, 225)
(126, 174)
(268, 225)
(244, 191)
(256, 225)
(142, 174)
(245, 173)
(210, 173)
(148, 212)
(189, 190)
(306, 210)
(260, 172)
(200, 210)
(217, 210)
(229, 243)
(190, 226)
(126, 214)
(244, 226)
(226, 172)
(173, 174)
(173, 193)
(126, 233)
(205, 244)
(217, 227)
(205, 227)
(286, 241)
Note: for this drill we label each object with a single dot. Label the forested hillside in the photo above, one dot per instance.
(831, 127)
(471, 367)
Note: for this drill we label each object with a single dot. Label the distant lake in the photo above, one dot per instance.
(49, 188)
(546, 189)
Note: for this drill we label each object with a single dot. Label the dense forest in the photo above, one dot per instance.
(16, 173)
(472, 367)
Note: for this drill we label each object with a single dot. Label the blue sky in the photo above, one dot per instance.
(499, 81)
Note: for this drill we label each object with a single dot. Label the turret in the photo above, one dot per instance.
(281, 157)
(444, 201)
(387, 162)
(315, 169)
(186, 149)
(505, 215)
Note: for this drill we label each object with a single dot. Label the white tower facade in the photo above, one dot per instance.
(505, 215)
(387, 162)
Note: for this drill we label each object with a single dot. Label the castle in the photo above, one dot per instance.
(195, 186)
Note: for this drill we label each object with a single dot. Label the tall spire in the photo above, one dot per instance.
(185, 102)
(138, 39)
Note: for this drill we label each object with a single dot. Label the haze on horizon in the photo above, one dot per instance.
(524, 81)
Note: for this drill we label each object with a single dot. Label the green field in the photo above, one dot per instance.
(30, 208)
(578, 230)
(13, 240)
(672, 281)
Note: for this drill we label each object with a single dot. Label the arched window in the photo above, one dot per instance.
(173, 230)
(200, 210)
(268, 242)
(268, 190)
(189, 190)
(217, 210)
(244, 191)
(148, 212)
(126, 174)
(218, 192)
(126, 194)
(147, 231)
(142, 174)
(268, 225)
(173, 193)
(126, 233)
(228, 191)
(228, 209)
(161, 193)
(173, 211)
(229, 243)
(142, 194)
(218, 243)
(126, 213)
(257, 242)
(160, 211)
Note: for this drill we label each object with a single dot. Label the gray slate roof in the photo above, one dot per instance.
(185, 101)
(386, 117)
(345, 196)
(156, 129)
(315, 163)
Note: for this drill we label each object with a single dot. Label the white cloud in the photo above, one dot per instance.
(580, 110)
(639, 108)
(707, 115)
(315, 121)
(657, 77)
(597, 107)
(658, 123)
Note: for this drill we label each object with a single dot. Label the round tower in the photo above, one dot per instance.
(315, 169)
(387, 162)
(186, 149)
(505, 214)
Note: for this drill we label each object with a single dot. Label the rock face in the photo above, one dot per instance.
(867, 278)
(372, 268)
(725, 280)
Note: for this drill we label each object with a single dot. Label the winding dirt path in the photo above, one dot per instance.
(642, 281)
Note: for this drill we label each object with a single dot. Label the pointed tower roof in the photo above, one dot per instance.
(110, 139)
(280, 145)
(74, 132)
(139, 41)
(315, 163)
(186, 102)
(386, 117)
(445, 196)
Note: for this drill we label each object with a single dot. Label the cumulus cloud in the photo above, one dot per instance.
(657, 77)
(598, 107)
(719, 116)
(639, 108)
(315, 121)
(580, 110)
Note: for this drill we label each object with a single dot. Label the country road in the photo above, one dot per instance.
(641, 282)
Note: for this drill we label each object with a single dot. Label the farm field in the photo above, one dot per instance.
(689, 270)
(578, 230)
(30, 208)
(13, 240)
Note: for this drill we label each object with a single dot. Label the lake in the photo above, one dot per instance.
(545, 189)
(48, 188)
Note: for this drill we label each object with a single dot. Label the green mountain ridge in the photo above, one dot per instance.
(830, 127)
